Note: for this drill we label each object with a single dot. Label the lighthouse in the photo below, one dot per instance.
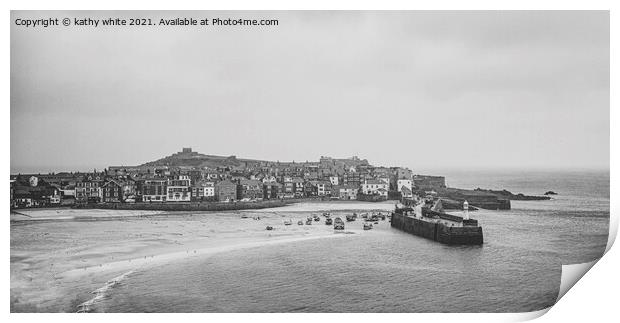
(466, 210)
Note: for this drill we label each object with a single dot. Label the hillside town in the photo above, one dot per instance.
(189, 176)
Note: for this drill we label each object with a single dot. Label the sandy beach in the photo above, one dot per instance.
(64, 260)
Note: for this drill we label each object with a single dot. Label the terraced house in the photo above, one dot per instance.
(179, 189)
(250, 189)
(152, 189)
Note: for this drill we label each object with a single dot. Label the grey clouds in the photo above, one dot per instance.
(425, 90)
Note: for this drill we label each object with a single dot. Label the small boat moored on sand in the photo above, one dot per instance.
(269, 228)
(350, 218)
(300, 222)
(328, 221)
(338, 224)
(367, 226)
(288, 222)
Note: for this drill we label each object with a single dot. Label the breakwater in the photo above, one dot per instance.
(440, 227)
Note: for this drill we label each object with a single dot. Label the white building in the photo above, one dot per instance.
(333, 180)
(404, 183)
(386, 180)
(320, 188)
(203, 189)
(269, 179)
(179, 189)
(375, 187)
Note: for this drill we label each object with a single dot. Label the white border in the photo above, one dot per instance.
(594, 298)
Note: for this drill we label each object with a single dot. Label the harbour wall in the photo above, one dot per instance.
(192, 206)
(437, 231)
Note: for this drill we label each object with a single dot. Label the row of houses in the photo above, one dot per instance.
(31, 191)
(221, 179)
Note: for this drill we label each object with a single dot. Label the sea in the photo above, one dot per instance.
(517, 269)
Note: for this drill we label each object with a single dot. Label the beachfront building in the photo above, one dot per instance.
(250, 189)
(88, 190)
(152, 189)
(203, 190)
(323, 188)
(289, 185)
(298, 187)
(179, 189)
(226, 191)
(271, 190)
(375, 187)
(346, 192)
(31, 192)
(333, 180)
(112, 191)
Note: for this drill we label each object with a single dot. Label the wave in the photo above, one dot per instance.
(101, 293)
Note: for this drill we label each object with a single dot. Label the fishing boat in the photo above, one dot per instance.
(288, 222)
(367, 226)
(338, 224)
(350, 218)
(309, 222)
(269, 228)
(300, 222)
(328, 221)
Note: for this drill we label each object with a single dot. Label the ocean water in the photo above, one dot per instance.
(517, 269)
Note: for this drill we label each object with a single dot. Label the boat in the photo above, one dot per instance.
(350, 218)
(309, 222)
(433, 224)
(269, 228)
(300, 222)
(288, 222)
(338, 224)
(365, 215)
(328, 221)
(326, 214)
(367, 226)
(316, 218)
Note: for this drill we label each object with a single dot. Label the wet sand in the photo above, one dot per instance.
(63, 259)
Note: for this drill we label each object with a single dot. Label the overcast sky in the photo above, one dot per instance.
(425, 90)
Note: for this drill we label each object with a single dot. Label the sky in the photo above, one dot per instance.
(424, 90)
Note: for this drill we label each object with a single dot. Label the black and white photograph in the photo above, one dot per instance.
(323, 161)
